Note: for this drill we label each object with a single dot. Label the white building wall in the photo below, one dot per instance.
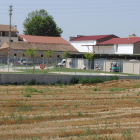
(124, 49)
(80, 48)
(104, 49)
(6, 39)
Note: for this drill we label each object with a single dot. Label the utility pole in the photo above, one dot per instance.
(9, 50)
(10, 14)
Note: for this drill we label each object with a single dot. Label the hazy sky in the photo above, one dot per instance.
(80, 17)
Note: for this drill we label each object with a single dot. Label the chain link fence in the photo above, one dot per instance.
(69, 66)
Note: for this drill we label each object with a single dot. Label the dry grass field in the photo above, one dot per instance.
(104, 111)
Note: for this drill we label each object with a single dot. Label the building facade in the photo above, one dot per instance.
(4, 34)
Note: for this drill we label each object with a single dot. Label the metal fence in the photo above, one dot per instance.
(70, 66)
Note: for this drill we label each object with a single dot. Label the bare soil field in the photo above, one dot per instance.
(103, 111)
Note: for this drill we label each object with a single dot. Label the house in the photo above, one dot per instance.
(4, 34)
(129, 45)
(86, 43)
(44, 43)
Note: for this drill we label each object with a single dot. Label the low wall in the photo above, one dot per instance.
(52, 79)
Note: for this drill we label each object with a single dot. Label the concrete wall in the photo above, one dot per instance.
(131, 67)
(79, 63)
(52, 79)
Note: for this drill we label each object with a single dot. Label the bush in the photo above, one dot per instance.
(95, 89)
(74, 80)
(83, 81)
(96, 80)
(112, 78)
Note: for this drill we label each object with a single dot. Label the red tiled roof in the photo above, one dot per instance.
(94, 37)
(129, 40)
(44, 39)
(41, 46)
(6, 28)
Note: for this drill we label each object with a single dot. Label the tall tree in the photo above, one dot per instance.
(40, 23)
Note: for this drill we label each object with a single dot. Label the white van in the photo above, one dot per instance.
(62, 63)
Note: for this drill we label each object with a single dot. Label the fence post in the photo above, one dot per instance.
(8, 65)
(105, 67)
(90, 67)
(75, 64)
(133, 68)
(59, 69)
(43, 66)
(26, 64)
(119, 67)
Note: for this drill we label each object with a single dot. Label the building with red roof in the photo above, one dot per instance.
(129, 45)
(85, 43)
(43, 43)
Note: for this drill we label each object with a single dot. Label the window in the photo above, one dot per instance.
(3, 33)
(58, 56)
(41, 55)
(15, 54)
(116, 47)
(11, 40)
(23, 54)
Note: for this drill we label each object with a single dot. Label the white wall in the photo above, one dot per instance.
(104, 49)
(124, 49)
(80, 48)
(6, 39)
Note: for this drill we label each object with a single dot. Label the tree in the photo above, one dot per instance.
(89, 57)
(66, 54)
(32, 53)
(40, 23)
(48, 54)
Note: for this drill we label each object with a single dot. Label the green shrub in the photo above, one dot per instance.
(115, 77)
(95, 80)
(74, 80)
(98, 80)
(95, 89)
(30, 89)
(83, 81)
(112, 78)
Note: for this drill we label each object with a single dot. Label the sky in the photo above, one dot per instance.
(79, 17)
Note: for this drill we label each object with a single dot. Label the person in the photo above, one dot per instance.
(115, 65)
(97, 66)
(70, 64)
(84, 68)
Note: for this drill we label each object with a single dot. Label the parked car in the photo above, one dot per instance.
(23, 61)
(62, 63)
